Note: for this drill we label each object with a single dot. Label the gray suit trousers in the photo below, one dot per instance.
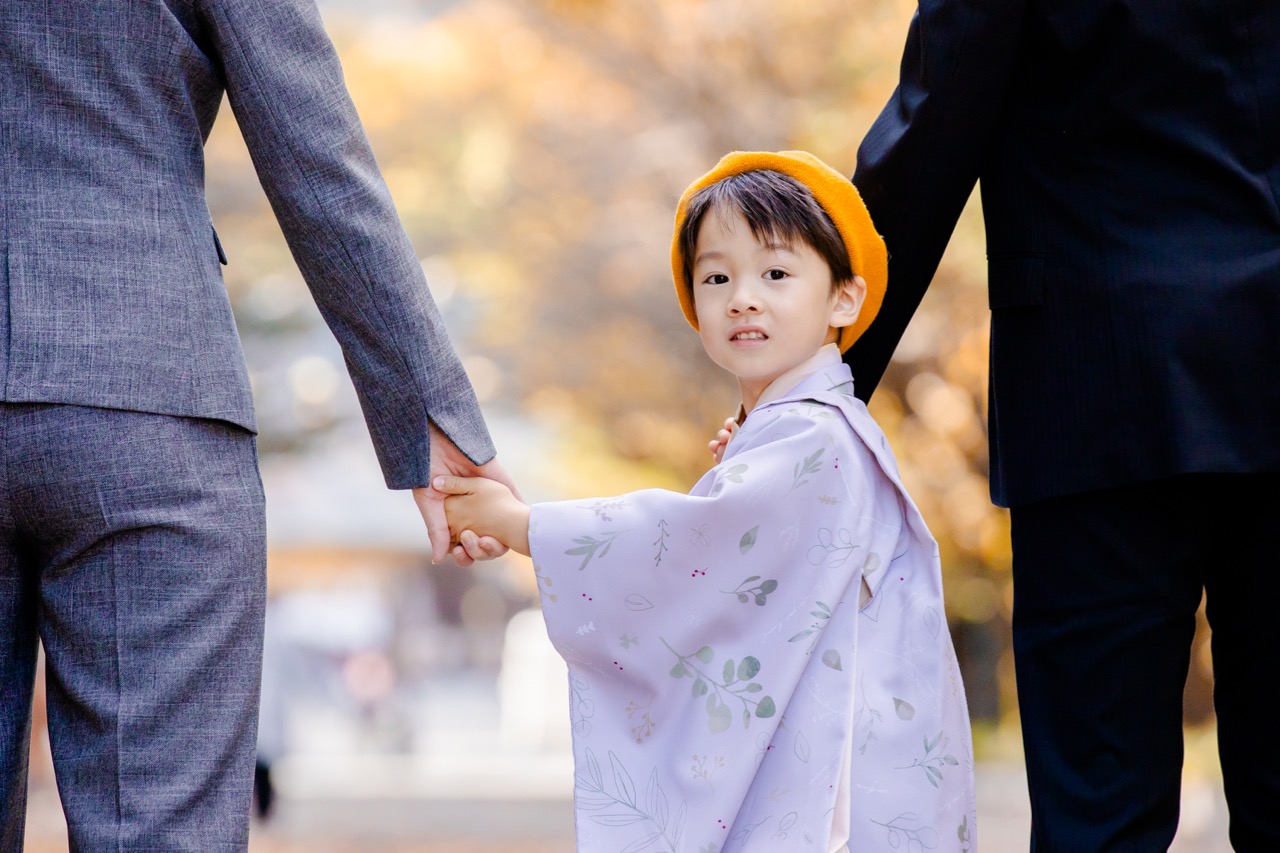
(133, 546)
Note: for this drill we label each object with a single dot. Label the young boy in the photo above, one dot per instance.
(764, 663)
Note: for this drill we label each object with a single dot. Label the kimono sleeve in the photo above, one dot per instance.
(656, 585)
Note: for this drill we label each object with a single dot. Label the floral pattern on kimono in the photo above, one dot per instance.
(762, 664)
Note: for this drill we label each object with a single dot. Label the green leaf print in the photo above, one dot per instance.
(748, 540)
(833, 550)
(737, 682)
(719, 718)
(821, 616)
(932, 764)
(801, 747)
(622, 779)
(592, 547)
(656, 799)
(732, 474)
(759, 592)
(593, 769)
(811, 465)
(624, 807)
(618, 819)
(908, 832)
(661, 542)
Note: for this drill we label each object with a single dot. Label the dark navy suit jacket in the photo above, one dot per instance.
(111, 293)
(1128, 153)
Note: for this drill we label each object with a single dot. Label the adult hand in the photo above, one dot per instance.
(448, 460)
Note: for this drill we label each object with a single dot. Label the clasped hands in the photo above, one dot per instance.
(485, 514)
(485, 517)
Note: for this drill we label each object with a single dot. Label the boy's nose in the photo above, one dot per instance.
(743, 302)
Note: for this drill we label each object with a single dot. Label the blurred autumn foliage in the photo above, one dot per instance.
(535, 149)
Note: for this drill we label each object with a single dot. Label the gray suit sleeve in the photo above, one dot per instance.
(285, 85)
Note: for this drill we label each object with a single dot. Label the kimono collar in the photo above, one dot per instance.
(828, 355)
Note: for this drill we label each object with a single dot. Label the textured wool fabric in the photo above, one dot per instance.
(131, 528)
(837, 196)
(113, 288)
(134, 546)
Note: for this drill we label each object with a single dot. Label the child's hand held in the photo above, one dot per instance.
(484, 516)
(722, 439)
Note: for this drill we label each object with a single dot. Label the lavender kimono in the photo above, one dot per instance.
(762, 664)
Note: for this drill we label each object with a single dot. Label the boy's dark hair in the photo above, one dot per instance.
(774, 205)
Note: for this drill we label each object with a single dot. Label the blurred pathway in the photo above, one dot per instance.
(473, 781)
(451, 825)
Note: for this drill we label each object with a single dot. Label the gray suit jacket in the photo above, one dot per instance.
(111, 288)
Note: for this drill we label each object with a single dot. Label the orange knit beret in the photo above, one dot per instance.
(838, 197)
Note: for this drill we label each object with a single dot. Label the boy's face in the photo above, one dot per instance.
(764, 307)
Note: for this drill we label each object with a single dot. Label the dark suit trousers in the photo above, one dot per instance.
(1106, 587)
(133, 547)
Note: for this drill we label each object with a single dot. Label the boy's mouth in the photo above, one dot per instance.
(749, 335)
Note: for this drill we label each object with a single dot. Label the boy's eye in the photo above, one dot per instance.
(776, 275)
(716, 278)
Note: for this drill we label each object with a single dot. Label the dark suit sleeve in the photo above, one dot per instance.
(919, 162)
(285, 85)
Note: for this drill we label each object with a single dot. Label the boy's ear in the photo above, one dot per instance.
(847, 302)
